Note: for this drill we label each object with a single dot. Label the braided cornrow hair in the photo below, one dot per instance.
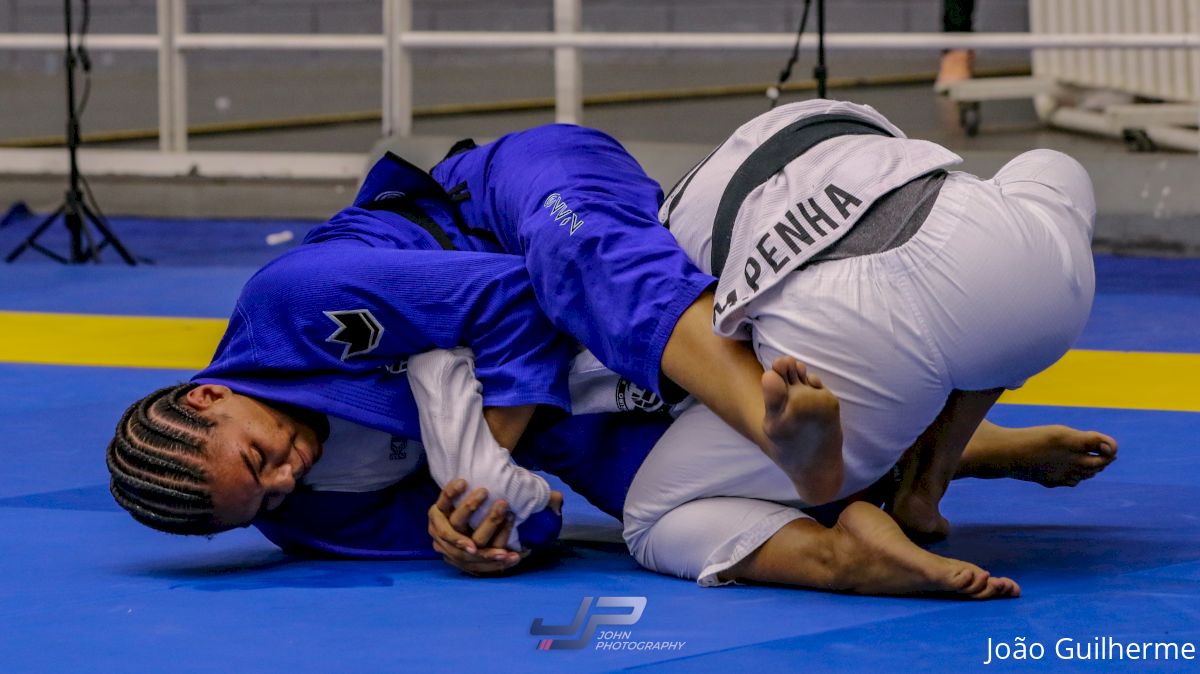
(155, 459)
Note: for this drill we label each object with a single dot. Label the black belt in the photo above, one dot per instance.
(770, 158)
(406, 206)
(408, 209)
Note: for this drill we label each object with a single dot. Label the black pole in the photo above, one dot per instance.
(821, 73)
(71, 216)
(74, 211)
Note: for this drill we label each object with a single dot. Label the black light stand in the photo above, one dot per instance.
(75, 211)
(821, 72)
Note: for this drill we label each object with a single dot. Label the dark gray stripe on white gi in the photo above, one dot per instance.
(683, 183)
(892, 220)
(770, 158)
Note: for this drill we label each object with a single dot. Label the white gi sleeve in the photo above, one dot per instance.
(458, 442)
(595, 389)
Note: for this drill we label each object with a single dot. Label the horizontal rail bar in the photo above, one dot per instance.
(255, 41)
(56, 41)
(543, 40)
(156, 164)
(772, 41)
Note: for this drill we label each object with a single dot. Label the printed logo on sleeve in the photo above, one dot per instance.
(634, 398)
(562, 213)
(357, 329)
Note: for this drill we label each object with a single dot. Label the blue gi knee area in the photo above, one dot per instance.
(583, 215)
(597, 455)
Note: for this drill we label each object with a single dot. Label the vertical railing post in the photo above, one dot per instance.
(568, 67)
(1194, 28)
(172, 78)
(397, 69)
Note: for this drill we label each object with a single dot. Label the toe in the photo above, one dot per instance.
(989, 591)
(976, 581)
(1007, 587)
(1100, 444)
(796, 372)
(775, 392)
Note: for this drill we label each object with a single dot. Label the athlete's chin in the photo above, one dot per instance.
(308, 445)
(304, 456)
(311, 454)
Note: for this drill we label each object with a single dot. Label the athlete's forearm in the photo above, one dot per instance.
(461, 442)
(722, 373)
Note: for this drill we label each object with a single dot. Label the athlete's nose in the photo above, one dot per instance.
(282, 480)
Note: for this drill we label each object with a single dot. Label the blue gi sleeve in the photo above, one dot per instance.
(597, 455)
(583, 213)
(390, 523)
(347, 307)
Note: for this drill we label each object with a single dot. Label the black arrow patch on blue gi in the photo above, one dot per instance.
(357, 329)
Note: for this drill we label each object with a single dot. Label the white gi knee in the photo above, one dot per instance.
(1016, 279)
(1038, 171)
(694, 508)
(700, 539)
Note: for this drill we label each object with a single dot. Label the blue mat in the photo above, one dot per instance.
(168, 242)
(86, 589)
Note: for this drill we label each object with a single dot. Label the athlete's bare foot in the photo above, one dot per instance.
(1052, 456)
(918, 514)
(880, 559)
(803, 422)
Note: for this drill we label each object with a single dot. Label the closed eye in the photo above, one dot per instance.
(254, 472)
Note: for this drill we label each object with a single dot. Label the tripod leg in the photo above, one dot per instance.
(31, 240)
(75, 225)
(107, 235)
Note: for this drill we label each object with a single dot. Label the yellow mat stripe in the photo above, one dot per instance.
(109, 341)
(1110, 379)
(1117, 379)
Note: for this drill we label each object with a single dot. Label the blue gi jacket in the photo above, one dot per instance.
(415, 265)
(328, 325)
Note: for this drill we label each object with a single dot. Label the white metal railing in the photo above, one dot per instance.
(398, 41)
(1171, 75)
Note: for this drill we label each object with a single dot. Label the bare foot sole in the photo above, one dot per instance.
(883, 561)
(803, 421)
(1052, 456)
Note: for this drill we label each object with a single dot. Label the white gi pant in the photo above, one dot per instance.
(994, 287)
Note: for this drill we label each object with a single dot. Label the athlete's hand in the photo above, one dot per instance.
(480, 552)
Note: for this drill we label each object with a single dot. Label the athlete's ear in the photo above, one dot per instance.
(205, 396)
